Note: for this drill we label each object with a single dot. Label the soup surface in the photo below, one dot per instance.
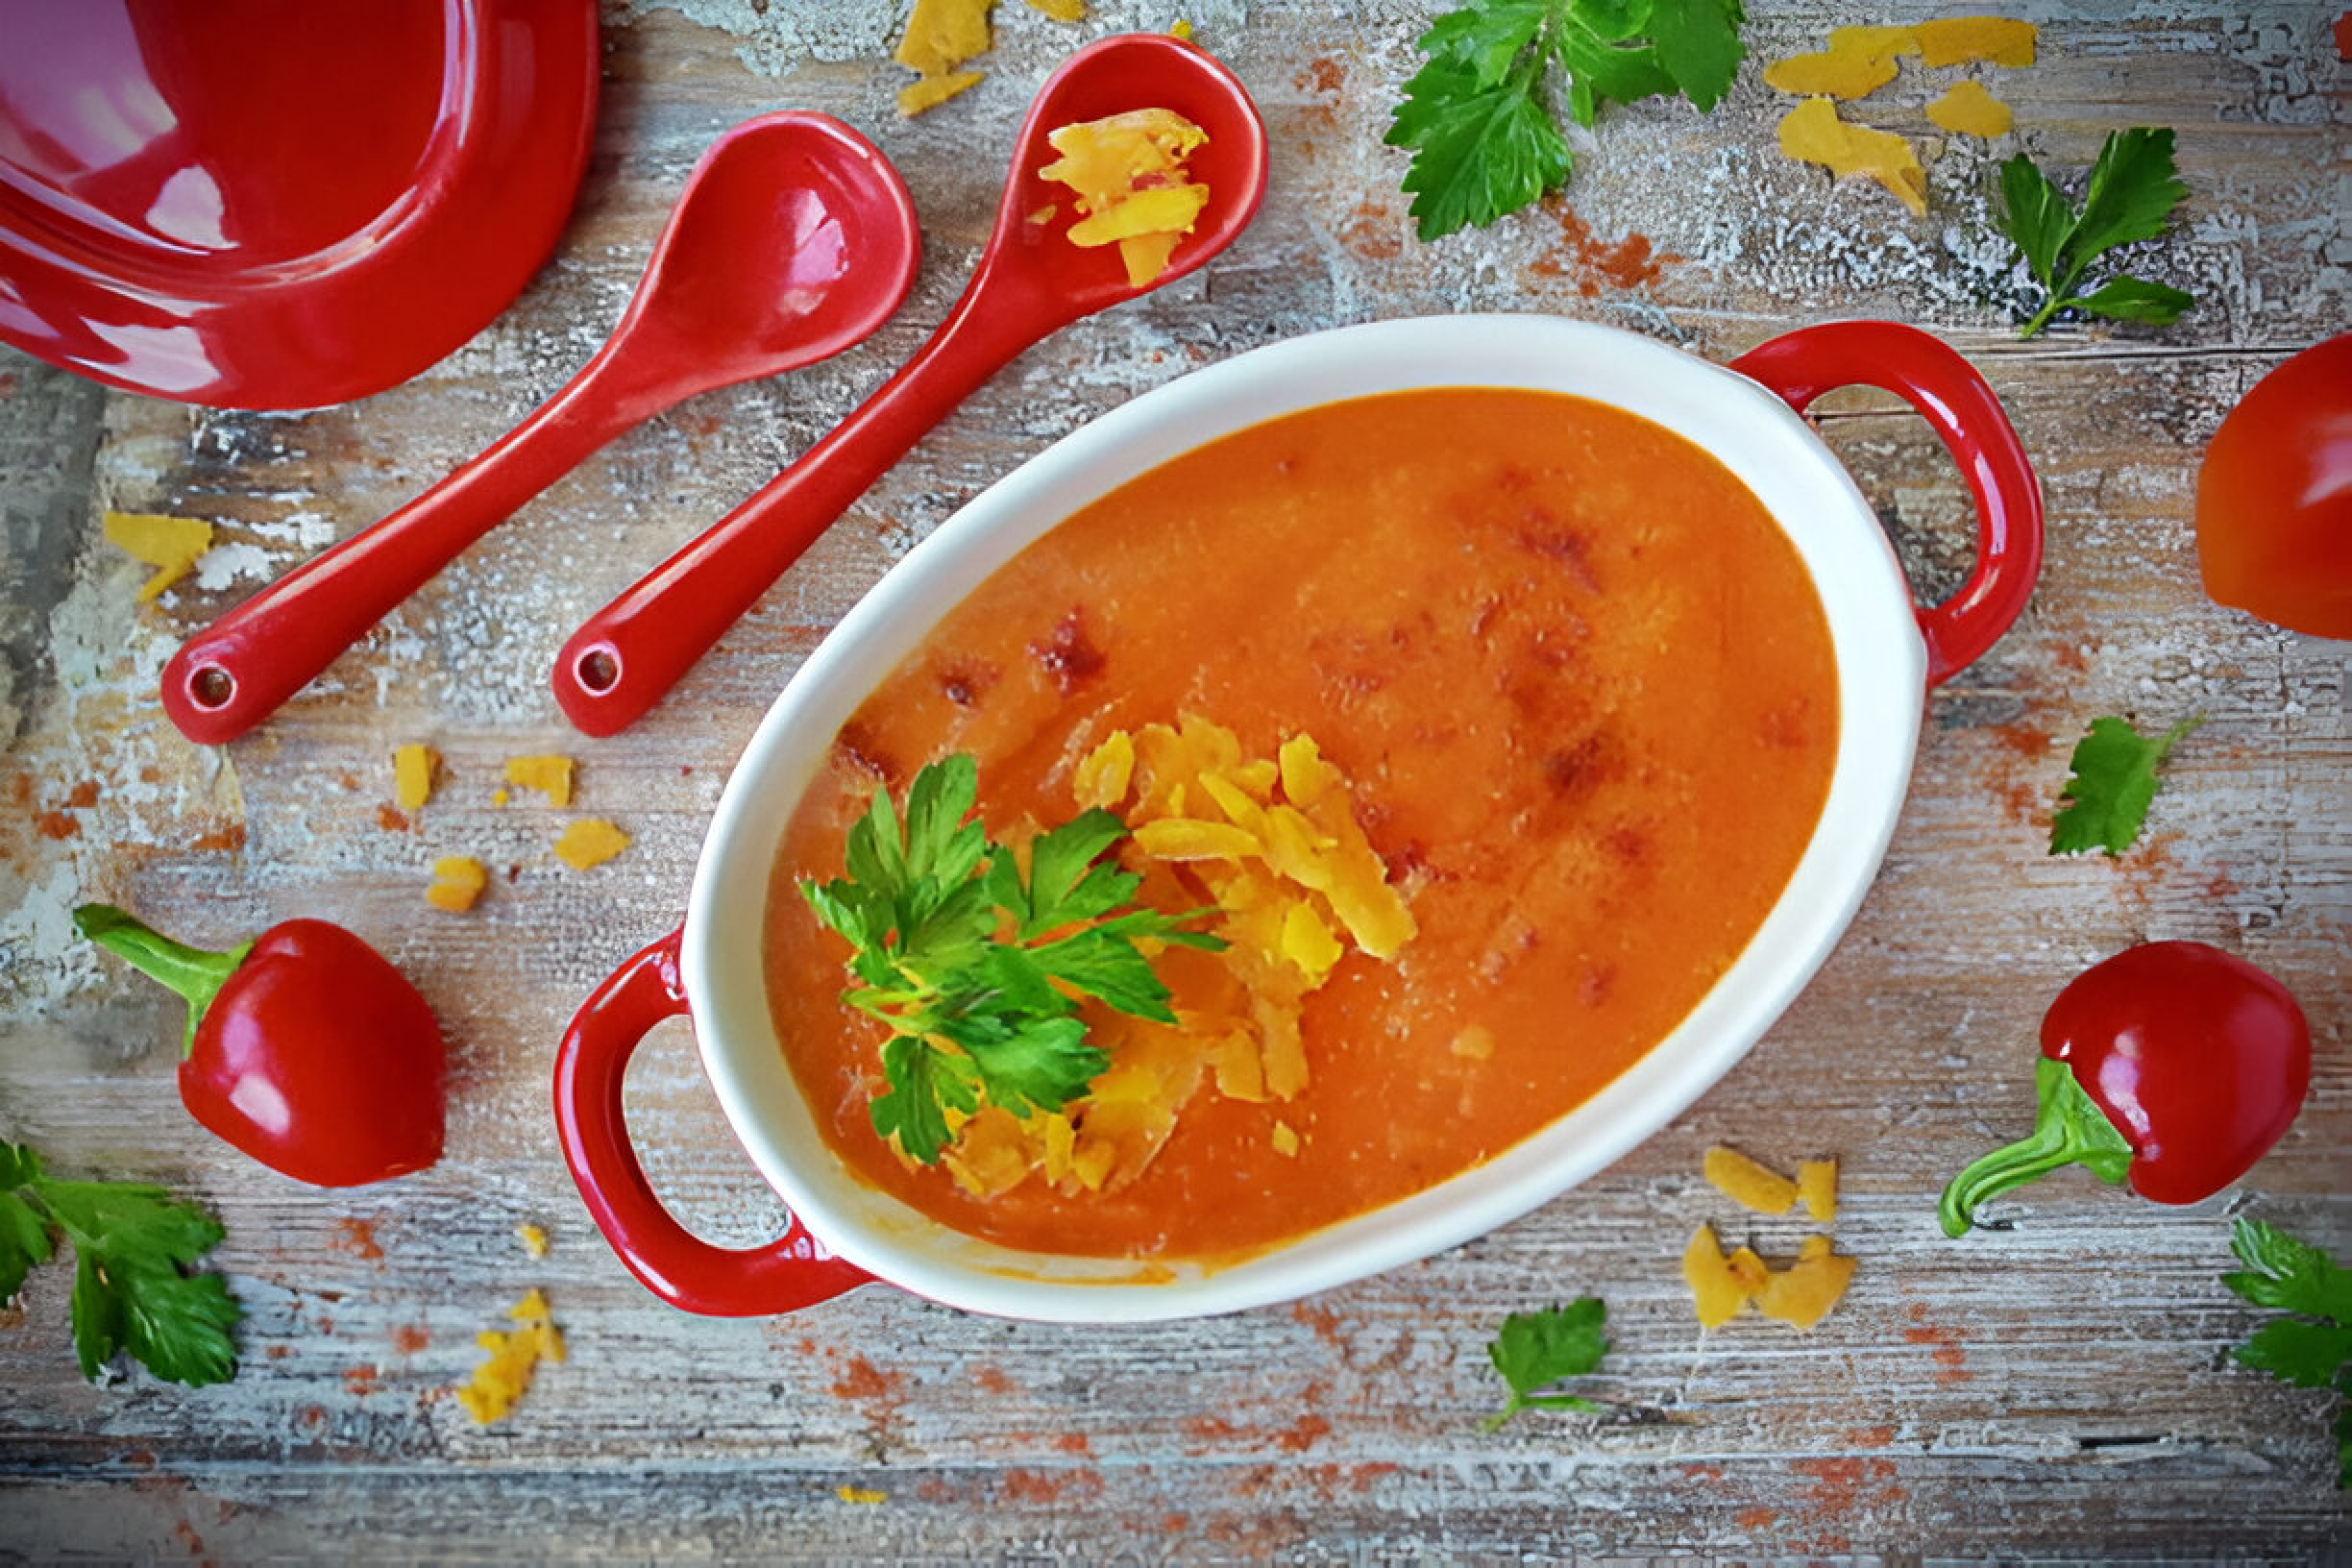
(1581, 686)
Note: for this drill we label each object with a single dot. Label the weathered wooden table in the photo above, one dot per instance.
(2059, 1390)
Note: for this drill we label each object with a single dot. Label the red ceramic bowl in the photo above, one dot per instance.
(1886, 650)
(277, 204)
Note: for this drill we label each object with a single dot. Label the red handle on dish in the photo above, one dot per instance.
(239, 669)
(626, 658)
(1932, 378)
(793, 1271)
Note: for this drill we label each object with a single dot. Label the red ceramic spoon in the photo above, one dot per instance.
(1030, 281)
(793, 239)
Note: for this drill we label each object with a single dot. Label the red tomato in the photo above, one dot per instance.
(306, 1047)
(2274, 501)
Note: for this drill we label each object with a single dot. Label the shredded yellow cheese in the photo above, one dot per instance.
(414, 767)
(589, 842)
(1817, 1188)
(865, 1496)
(1968, 110)
(533, 1237)
(1276, 847)
(551, 776)
(514, 1356)
(170, 545)
(1128, 171)
(1801, 1295)
(1812, 133)
(1715, 1290)
(1746, 1183)
(459, 881)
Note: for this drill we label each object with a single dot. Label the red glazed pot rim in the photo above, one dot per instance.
(184, 214)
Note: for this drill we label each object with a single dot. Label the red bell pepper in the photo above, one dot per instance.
(306, 1048)
(2172, 1063)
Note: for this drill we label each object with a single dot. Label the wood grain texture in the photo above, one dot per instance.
(2055, 1391)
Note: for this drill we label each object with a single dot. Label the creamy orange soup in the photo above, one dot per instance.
(1579, 683)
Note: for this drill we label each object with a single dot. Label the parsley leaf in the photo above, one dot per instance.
(978, 966)
(2114, 780)
(2129, 196)
(1534, 1350)
(132, 1245)
(1479, 115)
(2293, 1276)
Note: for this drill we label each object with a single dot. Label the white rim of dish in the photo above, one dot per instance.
(1881, 665)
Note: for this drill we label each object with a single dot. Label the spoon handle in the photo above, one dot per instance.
(627, 656)
(234, 674)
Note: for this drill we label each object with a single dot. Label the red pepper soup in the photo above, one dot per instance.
(1580, 689)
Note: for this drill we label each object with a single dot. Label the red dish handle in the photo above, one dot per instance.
(793, 1271)
(1932, 378)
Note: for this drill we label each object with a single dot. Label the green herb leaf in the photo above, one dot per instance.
(1478, 115)
(2307, 1355)
(977, 969)
(132, 1245)
(924, 1081)
(2135, 298)
(1534, 1350)
(2036, 217)
(2114, 781)
(2311, 1351)
(2287, 1275)
(2129, 197)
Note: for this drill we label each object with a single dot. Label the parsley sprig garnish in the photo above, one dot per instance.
(2112, 784)
(2130, 196)
(1534, 1350)
(132, 1246)
(1478, 115)
(2312, 1347)
(978, 966)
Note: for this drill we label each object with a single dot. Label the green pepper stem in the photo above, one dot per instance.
(2069, 1129)
(191, 972)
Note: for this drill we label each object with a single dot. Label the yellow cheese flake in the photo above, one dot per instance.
(1748, 1271)
(1966, 40)
(1715, 1291)
(1859, 61)
(1747, 1184)
(1817, 1188)
(1185, 838)
(1182, 30)
(551, 776)
(1812, 133)
(458, 880)
(1474, 1044)
(589, 842)
(514, 1356)
(533, 1237)
(1968, 110)
(1285, 1141)
(170, 545)
(1128, 171)
(942, 34)
(1803, 1294)
(1104, 773)
(866, 1496)
(1813, 1246)
(413, 771)
(1061, 10)
(931, 92)
(1833, 73)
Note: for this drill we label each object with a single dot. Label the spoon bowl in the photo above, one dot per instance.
(792, 240)
(1031, 280)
